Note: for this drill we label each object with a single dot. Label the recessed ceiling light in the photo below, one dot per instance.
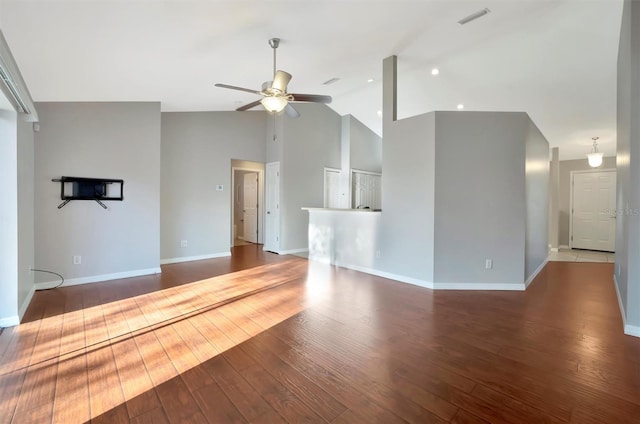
(370, 80)
(460, 106)
(435, 71)
(379, 114)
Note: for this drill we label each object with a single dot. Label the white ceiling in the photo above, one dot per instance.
(555, 59)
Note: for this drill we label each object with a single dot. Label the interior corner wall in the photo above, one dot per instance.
(537, 200)
(103, 140)
(564, 195)
(480, 198)
(627, 266)
(406, 239)
(197, 149)
(310, 143)
(365, 147)
(26, 217)
(8, 218)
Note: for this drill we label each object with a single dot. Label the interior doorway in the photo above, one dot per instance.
(592, 222)
(247, 217)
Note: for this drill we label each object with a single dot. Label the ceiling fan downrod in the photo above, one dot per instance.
(274, 43)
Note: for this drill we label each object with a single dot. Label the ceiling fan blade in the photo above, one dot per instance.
(281, 80)
(291, 111)
(316, 98)
(248, 106)
(233, 87)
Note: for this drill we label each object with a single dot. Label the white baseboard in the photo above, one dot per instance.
(27, 301)
(629, 330)
(9, 321)
(292, 251)
(194, 258)
(535, 273)
(480, 286)
(554, 249)
(632, 330)
(620, 304)
(563, 246)
(99, 278)
(384, 274)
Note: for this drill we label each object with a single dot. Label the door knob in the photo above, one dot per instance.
(268, 212)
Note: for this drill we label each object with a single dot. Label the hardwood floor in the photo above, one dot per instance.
(261, 338)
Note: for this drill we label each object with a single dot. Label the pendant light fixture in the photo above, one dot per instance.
(595, 157)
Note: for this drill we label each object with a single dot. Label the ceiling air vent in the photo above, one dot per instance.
(331, 81)
(474, 16)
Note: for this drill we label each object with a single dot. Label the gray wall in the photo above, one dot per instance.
(564, 196)
(480, 207)
(8, 218)
(197, 149)
(537, 199)
(627, 267)
(26, 217)
(408, 185)
(103, 140)
(365, 147)
(309, 143)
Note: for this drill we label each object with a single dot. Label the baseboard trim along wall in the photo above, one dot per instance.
(292, 251)
(99, 278)
(481, 286)
(194, 258)
(388, 275)
(426, 284)
(535, 273)
(629, 330)
(27, 301)
(9, 321)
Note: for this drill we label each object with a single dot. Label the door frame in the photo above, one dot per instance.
(324, 175)
(233, 193)
(571, 175)
(277, 243)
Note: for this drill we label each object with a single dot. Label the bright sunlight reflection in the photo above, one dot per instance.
(95, 359)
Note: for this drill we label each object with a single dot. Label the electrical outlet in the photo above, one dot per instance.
(488, 264)
(77, 260)
(184, 243)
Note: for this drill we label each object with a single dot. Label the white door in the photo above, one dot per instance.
(272, 208)
(332, 188)
(593, 223)
(250, 207)
(367, 190)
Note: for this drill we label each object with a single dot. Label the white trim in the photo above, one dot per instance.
(292, 251)
(620, 304)
(629, 330)
(535, 273)
(480, 286)
(26, 302)
(388, 275)
(555, 249)
(194, 258)
(9, 321)
(563, 246)
(632, 330)
(99, 278)
(423, 283)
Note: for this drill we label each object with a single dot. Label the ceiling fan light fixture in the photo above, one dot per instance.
(595, 157)
(274, 104)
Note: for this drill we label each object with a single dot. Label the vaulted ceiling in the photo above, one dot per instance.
(555, 59)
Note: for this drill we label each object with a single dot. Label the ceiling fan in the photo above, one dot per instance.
(274, 93)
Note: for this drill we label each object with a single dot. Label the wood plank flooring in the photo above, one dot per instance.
(261, 338)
